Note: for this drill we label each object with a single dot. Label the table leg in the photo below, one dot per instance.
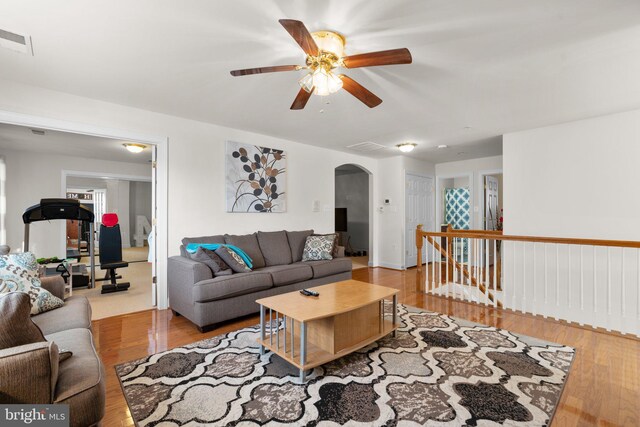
(303, 349)
(395, 314)
(261, 329)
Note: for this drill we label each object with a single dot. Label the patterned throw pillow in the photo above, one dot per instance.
(318, 248)
(19, 273)
(232, 259)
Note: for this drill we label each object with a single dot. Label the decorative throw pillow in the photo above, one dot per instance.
(19, 273)
(334, 248)
(16, 326)
(214, 262)
(232, 259)
(318, 248)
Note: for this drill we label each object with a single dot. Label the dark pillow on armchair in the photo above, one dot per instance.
(16, 326)
(213, 261)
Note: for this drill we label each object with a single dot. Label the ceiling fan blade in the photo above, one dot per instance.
(359, 91)
(260, 70)
(301, 99)
(301, 35)
(385, 57)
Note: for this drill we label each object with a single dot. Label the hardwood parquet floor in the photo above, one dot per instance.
(603, 388)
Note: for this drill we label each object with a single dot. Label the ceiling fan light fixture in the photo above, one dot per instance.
(406, 147)
(329, 41)
(325, 82)
(134, 148)
(306, 82)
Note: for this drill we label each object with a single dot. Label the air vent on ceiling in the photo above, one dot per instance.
(366, 146)
(37, 132)
(16, 42)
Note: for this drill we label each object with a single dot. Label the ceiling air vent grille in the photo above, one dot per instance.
(16, 42)
(366, 147)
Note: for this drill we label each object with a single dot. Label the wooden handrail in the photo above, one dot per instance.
(493, 235)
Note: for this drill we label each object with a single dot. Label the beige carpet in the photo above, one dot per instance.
(137, 298)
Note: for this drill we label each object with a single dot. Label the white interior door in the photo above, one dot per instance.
(491, 213)
(418, 210)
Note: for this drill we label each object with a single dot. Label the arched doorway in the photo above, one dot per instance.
(353, 212)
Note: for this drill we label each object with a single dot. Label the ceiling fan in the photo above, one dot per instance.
(325, 53)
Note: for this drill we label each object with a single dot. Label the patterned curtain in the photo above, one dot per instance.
(456, 207)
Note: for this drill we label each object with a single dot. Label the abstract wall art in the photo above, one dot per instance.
(255, 178)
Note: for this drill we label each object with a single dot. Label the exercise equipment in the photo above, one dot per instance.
(64, 209)
(110, 243)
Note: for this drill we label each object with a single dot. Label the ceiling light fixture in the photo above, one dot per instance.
(134, 148)
(320, 80)
(406, 147)
(441, 146)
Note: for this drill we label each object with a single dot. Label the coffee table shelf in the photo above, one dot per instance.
(311, 331)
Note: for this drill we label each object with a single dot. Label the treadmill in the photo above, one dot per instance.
(53, 209)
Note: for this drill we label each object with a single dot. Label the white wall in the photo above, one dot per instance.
(196, 165)
(392, 217)
(577, 179)
(475, 168)
(31, 177)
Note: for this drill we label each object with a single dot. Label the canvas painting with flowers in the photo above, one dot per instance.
(255, 178)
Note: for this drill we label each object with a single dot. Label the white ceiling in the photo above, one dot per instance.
(68, 144)
(481, 68)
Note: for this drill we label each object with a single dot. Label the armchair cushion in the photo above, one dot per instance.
(54, 284)
(76, 313)
(16, 326)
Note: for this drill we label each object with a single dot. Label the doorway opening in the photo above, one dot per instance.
(353, 212)
(42, 163)
(492, 201)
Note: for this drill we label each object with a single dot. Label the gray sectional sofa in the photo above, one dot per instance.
(278, 268)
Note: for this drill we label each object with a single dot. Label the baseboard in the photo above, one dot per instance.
(391, 266)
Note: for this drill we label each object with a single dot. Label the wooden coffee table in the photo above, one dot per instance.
(311, 331)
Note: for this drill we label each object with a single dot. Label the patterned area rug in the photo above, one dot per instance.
(437, 371)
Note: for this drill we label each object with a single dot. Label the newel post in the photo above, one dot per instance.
(419, 243)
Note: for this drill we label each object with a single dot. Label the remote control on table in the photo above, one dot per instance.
(309, 293)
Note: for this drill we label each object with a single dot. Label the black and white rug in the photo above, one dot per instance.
(438, 371)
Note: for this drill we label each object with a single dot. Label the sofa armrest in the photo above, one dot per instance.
(28, 373)
(54, 284)
(183, 272)
(340, 250)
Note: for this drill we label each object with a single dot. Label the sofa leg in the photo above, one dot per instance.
(207, 328)
(175, 313)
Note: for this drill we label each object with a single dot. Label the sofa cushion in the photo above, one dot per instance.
(203, 239)
(230, 286)
(288, 274)
(16, 326)
(19, 273)
(296, 242)
(249, 244)
(81, 381)
(212, 260)
(329, 267)
(75, 313)
(232, 259)
(318, 247)
(275, 248)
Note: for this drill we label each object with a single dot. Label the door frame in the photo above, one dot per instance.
(481, 175)
(472, 206)
(404, 210)
(162, 186)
